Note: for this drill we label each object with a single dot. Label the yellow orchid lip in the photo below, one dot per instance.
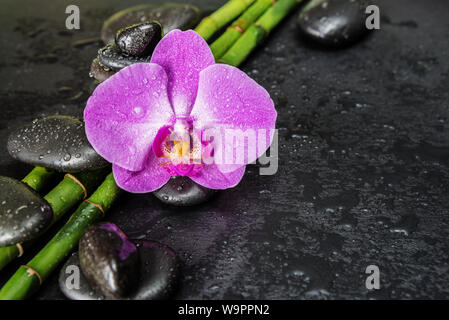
(181, 146)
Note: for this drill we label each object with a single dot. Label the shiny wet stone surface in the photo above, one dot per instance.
(171, 16)
(183, 192)
(363, 170)
(99, 72)
(55, 142)
(108, 260)
(139, 39)
(23, 213)
(333, 23)
(158, 275)
(111, 56)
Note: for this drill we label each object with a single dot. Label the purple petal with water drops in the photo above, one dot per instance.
(125, 112)
(183, 55)
(213, 178)
(151, 178)
(231, 103)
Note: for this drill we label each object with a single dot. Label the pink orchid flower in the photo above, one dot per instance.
(153, 120)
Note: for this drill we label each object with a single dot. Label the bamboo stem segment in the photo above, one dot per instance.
(61, 199)
(38, 178)
(23, 283)
(238, 27)
(217, 20)
(257, 32)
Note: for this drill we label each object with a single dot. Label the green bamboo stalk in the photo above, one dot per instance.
(8, 254)
(62, 199)
(233, 33)
(217, 20)
(257, 32)
(38, 178)
(25, 282)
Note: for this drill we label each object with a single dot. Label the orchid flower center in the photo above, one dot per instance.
(182, 146)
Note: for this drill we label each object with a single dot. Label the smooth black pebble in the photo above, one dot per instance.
(57, 142)
(158, 275)
(99, 72)
(24, 214)
(139, 39)
(108, 260)
(111, 56)
(183, 191)
(333, 23)
(171, 16)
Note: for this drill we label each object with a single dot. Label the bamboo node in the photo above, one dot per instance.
(68, 175)
(31, 272)
(257, 24)
(238, 28)
(97, 205)
(20, 248)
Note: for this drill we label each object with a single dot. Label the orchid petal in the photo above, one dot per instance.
(213, 178)
(183, 55)
(125, 112)
(228, 101)
(151, 178)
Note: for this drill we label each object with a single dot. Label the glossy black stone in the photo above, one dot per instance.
(56, 142)
(109, 260)
(183, 191)
(171, 16)
(139, 39)
(23, 213)
(333, 23)
(99, 72)
(158, 275)
(112, 57)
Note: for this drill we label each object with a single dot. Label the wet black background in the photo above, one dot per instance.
(363, 173)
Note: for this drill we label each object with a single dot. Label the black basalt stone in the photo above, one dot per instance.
(171, 16)
(182, 191)
(159, 272)
(112, 57)
(158, 275)
(109, 260)
(139, 39)
(56, 142)
(100, 72)
(23, 213)
(333, 23)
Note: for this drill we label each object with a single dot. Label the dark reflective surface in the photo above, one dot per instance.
(363, 170)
